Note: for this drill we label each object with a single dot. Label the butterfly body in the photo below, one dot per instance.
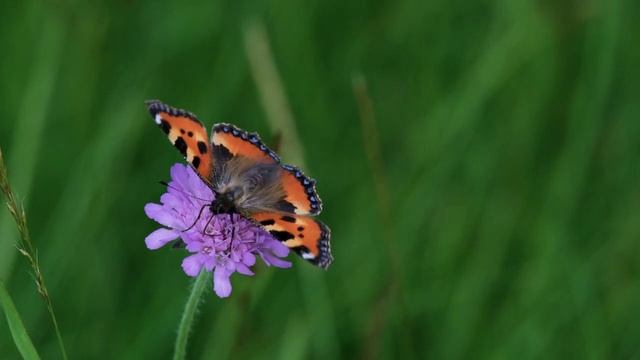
(249, 179)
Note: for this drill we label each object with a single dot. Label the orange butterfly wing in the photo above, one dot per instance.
(300, 197)
(305, 235)
(300, 191)
(241, 143)
(187, 134)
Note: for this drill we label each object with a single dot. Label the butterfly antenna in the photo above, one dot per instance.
(198, 218)
(182, 191)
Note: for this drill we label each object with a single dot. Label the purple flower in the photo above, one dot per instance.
(222, 243)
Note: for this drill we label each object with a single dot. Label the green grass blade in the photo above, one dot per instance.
(18, 331)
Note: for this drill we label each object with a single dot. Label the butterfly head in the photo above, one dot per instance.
(225, 202)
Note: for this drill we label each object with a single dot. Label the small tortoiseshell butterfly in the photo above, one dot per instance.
(249, 179)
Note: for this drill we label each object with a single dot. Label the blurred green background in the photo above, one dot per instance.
(496, 215)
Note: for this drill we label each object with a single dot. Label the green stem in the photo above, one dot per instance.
(57, 329)
(189, 314)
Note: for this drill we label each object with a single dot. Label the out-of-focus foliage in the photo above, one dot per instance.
(510, 144)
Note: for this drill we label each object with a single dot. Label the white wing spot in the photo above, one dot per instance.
(158, 119)
(307, 256)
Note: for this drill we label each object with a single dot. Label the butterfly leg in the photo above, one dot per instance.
(233, 226)
(207, 225)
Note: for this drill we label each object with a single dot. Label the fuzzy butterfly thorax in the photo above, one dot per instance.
(251, 186)
(249, 179)
(223, 204)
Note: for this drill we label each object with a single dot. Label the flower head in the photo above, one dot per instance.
(222, 243)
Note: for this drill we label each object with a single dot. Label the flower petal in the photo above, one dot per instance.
(179, 176)
(209, 263)
(274, 261)
(159, 238)
(199, 188)
(243, 269)
(171, 200)
(221, 283)
(193, 246)
(277, 248)
(192, 265)
(160, 214)
(249, 259)
(194, 182)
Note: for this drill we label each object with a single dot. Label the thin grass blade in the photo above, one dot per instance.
(18, 331)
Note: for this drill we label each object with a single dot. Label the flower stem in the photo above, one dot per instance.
(189, 314)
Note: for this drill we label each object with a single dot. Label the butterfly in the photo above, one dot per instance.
(249, 179)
